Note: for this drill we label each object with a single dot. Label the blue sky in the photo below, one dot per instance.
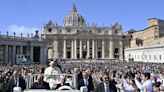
(28, 15)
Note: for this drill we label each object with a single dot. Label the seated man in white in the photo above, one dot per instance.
(52, 70)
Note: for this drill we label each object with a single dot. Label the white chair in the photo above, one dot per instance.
(83, 89)
(17, 89)
(69, 81)
(53, 83)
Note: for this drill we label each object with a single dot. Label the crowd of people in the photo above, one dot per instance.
(104, 76)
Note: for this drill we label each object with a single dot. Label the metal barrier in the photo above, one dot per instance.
(70, 78)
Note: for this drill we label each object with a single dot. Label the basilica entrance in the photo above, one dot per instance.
(78, 56)
(99, 54)
(84, 54)
(116, 53)
(68, 54)
(36, 52)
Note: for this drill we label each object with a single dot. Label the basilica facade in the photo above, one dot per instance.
(75, 39)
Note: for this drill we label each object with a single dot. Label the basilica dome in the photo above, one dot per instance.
(73, 19)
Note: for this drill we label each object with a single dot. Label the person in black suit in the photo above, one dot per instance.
(62, 82)
(40, 84)
(106, 86)
(86, 82)
(16, 81)
(2, 84)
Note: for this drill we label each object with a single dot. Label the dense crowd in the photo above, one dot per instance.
(126, 76)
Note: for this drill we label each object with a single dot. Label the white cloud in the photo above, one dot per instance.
(20, 29)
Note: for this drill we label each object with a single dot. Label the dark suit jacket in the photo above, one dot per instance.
(90, 84)
(100, 87)
(11, 84)
(59, 85)
(80, 76)
(43, 85)
(3, 87)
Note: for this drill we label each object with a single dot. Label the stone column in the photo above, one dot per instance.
(80, 52)
(1, 57)
(2, 52)
(75, 49)
(45, 55)
(103, 48)
(14, 54)
(93, 49)
(6, 54)
(111, 49)
(64, 49)
(121, 50)
(108, 49)
(28, 50)
(88, 50)
(55, 46)
(41, 56)
(72, 47)
(31, 54)
(21, 50)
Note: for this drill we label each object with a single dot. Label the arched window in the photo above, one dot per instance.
(49, 30)
(116, 31)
